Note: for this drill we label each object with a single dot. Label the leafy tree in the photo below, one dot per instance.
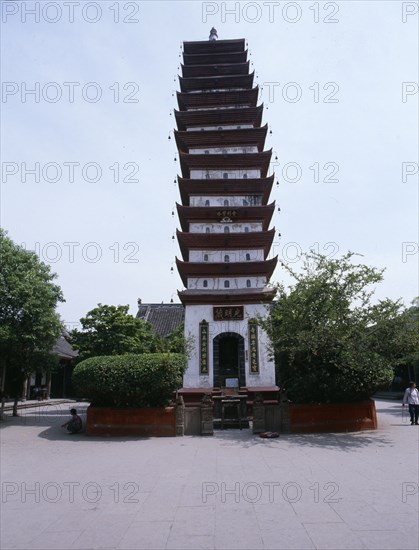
(111, 330)
(173, 342)
(29, 324)
(331, 343)
(411, 359)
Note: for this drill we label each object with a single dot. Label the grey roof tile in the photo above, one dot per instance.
(164, 318)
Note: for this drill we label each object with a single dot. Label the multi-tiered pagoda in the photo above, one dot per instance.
(224, 217)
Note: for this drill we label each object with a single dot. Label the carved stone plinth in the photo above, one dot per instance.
(258, 414)
(207, 415)
(180, 416)
(285, 415)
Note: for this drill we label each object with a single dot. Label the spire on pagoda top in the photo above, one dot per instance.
(213, 34)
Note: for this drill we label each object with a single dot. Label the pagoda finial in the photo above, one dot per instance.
(213, 34)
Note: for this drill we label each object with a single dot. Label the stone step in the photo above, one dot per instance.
(30, 404)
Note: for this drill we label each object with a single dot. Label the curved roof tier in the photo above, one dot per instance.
(211, 58)
(215, 69)
(219, 241)
(217, 187)
(225, 98)
(214, 46)
(242, 137)
(220, 297)
(215, 214)
(225, 269)
(219, 117)
(233, 161)
(244, 81)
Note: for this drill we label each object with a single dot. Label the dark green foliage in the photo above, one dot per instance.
(111, 330)
(146, 380)
(331, 343)
(29, 323)
(173, 342)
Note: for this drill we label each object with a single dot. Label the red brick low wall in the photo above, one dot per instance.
(157, 422)
(333, 417)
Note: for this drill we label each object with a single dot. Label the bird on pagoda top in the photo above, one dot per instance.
(213, 34)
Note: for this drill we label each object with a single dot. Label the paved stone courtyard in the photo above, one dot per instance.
(230, 491)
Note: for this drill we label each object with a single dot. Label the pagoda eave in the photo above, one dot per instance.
(228, 161)
(225, 269)
(222, 138)
(218, 58)
(215, 69)
(217, 187)
(211, 58)
(218, 99)
(225, 241)
(238, 214)
(214, 46)
(216, 82)
(219, 297)
(213, 117)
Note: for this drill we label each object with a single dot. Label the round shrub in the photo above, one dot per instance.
(146, 380)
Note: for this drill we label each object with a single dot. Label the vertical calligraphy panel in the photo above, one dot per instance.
(253, 347)
(203, 347)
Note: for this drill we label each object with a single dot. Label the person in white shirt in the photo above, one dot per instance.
(411, 396)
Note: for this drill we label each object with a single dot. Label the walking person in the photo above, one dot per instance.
(411, 397)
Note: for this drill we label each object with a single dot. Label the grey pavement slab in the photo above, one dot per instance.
(231, 491)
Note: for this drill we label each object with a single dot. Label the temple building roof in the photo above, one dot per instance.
(64, 349)
(164, 318)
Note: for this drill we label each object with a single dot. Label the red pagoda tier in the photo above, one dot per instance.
(232, 118)
(245, 136)
(247, 98)
(190, 214)
(218, 269)
(260, 187)
(221, 69)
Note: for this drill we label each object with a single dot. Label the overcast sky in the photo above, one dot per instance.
(339, 81)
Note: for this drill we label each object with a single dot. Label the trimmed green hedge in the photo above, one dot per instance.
(146, 380)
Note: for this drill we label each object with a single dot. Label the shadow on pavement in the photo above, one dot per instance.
(52, 417)
(343, 441)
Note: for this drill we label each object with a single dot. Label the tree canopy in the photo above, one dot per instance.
(111, 330)
(331, 342)
(174, 342)
(29, 323)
